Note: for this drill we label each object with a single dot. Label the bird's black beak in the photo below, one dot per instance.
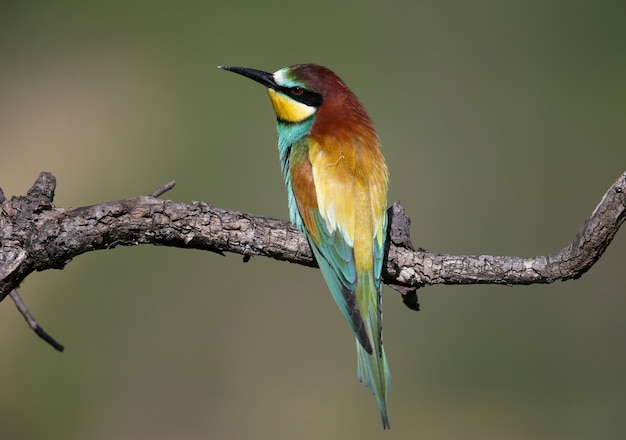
(265, 78)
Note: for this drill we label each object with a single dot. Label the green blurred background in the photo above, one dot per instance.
(503, 124)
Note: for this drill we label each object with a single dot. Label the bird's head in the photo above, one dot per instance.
(305, 90)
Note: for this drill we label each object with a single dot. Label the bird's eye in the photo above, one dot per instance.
(296, 91)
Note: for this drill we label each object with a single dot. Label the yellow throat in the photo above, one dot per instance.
(289, 110)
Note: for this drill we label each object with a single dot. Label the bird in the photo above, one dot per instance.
(337, 180)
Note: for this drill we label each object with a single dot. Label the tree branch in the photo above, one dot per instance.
(36, 236)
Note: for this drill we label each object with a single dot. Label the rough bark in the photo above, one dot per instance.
(35, 235)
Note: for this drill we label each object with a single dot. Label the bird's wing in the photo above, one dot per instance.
(335, 204)
(336, 260)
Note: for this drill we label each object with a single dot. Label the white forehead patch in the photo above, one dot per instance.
(282, 79)
(279, 76)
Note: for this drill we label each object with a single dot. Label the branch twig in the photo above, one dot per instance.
(15, 296)
(162, 190)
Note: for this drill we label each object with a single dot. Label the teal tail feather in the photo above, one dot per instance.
(373, 372)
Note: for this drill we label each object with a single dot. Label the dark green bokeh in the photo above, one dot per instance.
(503, 123)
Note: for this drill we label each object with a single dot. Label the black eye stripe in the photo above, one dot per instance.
(303, 95)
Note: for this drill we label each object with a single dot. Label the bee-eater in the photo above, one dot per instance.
(336, 181)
